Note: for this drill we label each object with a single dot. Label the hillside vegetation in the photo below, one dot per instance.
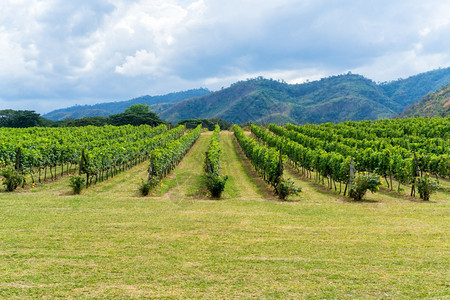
(410, 90)
(335, 99)
(435, 104)
(259, 100)
(157, 103)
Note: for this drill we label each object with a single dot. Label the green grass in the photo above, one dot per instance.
(109, 242)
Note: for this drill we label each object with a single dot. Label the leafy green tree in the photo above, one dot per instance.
(137, 114)
(19, 118)
(138, 109)
(94, 121)
(193, 123)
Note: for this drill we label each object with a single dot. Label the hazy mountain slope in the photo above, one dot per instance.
(209, 106)
(106, 109)
(260, 100)
(410, 90)
(336, 98)
(340, 98)
(435, 104)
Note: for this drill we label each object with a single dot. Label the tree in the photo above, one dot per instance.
(19, 118)
(94, 121)
(137, 114)
(138, 109)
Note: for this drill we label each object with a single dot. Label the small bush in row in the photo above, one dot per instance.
(363, 182)
(12, 179)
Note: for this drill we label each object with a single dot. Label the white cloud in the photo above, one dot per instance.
(117, 49)
(403, 64)
(142, 63)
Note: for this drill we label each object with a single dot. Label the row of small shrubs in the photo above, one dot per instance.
(361, 183)
(365, 181)
(215, 183)
(12, 179)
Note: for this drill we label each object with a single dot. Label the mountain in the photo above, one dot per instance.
(435, 104)
(157, 103)
(332, 99)
(335, 98)
(410, 90)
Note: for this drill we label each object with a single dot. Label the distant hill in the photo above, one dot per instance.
(336, 98)
(410, 90)
(157, 103)
(261, 100)
(435, 104)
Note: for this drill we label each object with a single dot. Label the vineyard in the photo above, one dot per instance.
(256, 212)
(407, 151)
(97, 152)
(404, 152)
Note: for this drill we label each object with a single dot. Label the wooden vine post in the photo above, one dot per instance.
(208, 163)
(416, 168)
(82, 168)
(19, 151)
(352, 170)
(280, 168)
(150, 169)
(351, 175)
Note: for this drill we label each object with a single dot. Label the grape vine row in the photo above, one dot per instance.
(265, 160)
(164, 159)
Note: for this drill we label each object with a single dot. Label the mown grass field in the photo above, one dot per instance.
(109, 242)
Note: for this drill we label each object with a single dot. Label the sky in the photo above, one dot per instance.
(59, 53)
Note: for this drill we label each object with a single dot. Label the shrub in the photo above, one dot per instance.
(287, 187)
(426, 186)
(215, 184)
(12, 179)
(363, 182)
(144, 187)
(77, 182)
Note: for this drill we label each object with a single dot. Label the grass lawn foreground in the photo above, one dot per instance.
(109, 242)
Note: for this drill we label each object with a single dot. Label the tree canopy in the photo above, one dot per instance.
(19, 118)
(138, 109)
(137, 114)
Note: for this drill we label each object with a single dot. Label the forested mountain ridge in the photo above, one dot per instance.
(157, 103)
(410, 90)
(264, 100)
(336, 98)
(435, 104)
